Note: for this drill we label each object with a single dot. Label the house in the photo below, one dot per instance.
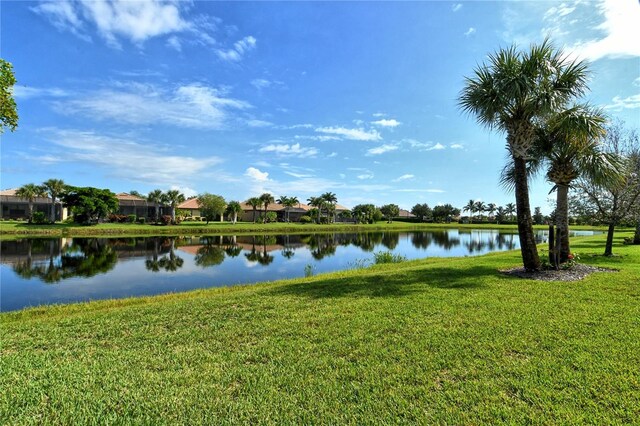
(295, 212)
(134, 205)
(405, 214)
(190, 208)
(14, 207)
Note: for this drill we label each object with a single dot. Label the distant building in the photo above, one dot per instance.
(14, 207)
(132, 204)
(405, 214)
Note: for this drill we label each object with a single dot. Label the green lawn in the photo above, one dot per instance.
(23, 229)
(437, 341)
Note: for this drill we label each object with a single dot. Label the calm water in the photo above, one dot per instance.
(45, 271)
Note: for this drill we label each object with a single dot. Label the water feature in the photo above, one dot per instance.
(45, 271)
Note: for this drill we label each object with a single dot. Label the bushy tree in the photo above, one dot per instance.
(233, 209)
(173, 198)
(30, 192)
(364, 213)
(422, 212)
(55, 188)
(211, 206)
(390, 211)
(8, 108)
(89, 205)
(444, 213)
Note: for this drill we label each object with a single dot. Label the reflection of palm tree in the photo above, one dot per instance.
(171, 263)
(152, 264)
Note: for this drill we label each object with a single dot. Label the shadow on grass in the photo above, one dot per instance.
(402, 283)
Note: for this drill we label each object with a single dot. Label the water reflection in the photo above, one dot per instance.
(91, 268)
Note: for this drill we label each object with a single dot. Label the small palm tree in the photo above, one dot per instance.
(156, 197)
(330, 200)
(480, 208)
(510, 209)
(173, 197)
(471, 208)
(30, 192)
(491, 208)
(54, 187)
(233, 209)
(500, 214)
(254, 202)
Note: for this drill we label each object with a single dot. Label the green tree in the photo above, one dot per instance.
(364, 213)
(510, 209)
(422, 211)
(8, 108)
(55, 188)
(471, 208)
(211, 206)
(89, 204)
(156, 197)
(266, 199)
(510, 94)
(538, 217)
(30, 192)
(480, 208)
(390, 211)
(254, 202)
(287, 202)
(330, 200)
(501, 214)
(233, 209)
(173, 197)
(491, 209)
(445, 213)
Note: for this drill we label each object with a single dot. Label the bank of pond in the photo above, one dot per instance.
(37, 271)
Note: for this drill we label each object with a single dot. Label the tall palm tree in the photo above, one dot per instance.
(491, 208)
(267, 199)
(156, 197)
(510, 94)
(471, 208)
(173, 197)
(330, 203)
(318, 203)
(500, 214)
(510, 209)
(233, 208)
(30, 192)
(254, 202)
(54, 187)
(569, 144)
(480, 208)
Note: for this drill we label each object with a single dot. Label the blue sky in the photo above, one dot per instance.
(292, 98)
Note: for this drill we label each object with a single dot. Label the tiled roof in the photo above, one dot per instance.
(191, 203)
(123, 196)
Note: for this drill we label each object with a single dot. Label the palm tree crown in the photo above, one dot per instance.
(54, 187)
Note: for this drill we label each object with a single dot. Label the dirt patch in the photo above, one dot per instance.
(575, 273)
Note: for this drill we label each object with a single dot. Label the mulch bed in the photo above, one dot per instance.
(575, 273)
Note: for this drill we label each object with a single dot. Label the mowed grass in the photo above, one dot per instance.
(436, 341)
(9, 229)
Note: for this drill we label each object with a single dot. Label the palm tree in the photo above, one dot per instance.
(330, 200)
(254, 202)
(471, 208)
(30, 192)
(500, 214)
(233, 208)
(156, 197)
(569, 145)
(480, 208)
(318, 203)
(510, 209)
(287, 202)
(491, 208)
(266, 199)
(173, 197)
(510, 94)
(54, 187)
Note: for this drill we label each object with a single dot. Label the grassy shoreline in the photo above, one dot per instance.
(436, 341)
(11, 229)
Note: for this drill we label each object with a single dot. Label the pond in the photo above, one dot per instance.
(46, 271)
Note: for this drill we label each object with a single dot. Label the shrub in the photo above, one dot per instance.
(142, 220)
(305, 219)
(387, 257)
(131, 218)
(165, 219)
(39, 218)
(117, 218)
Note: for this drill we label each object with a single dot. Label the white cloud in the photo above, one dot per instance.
(424, 146)
(364, 176)
(469, 32)
(187, 191)
(456, 7)
(333, 154)
(317, 138)
(191, 106)
(260, 83)
(353, 134)
(381, 149)
(297, 175)
(290, 150)
(174, 43)
(636, 82)
(456, 146)
(133, 20)
(259, 123)
(379, 114)
(240, 48)
(386, 123)
(24, 92)
(256, 174)
(619, 103)
(403, 177)
(149, 162)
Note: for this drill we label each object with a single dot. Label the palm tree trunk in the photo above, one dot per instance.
(562, 222)
(608, 248)
(52, 215)
(30, 211)
(530, 258)
(636, 237)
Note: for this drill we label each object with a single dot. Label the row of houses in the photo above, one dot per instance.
(14, 207)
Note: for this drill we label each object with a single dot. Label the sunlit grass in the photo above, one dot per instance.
(435, 341)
